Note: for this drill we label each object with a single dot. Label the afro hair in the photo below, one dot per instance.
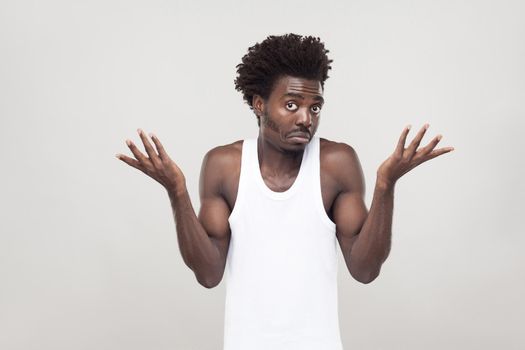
(276, 56)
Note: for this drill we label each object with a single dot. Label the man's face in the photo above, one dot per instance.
(294, 106)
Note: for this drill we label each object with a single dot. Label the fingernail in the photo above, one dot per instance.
(409, 126)
(117, 155)
(151, 135)
(439, 137)
(426, 126)
(139, 131)
(128, 142)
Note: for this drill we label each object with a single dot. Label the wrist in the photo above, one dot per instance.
(384, 184)
(177, 192)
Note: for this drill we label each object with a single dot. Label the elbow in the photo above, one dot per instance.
(368, 280)
(365, 277)
(365, 272)
(209, 285)
(209, 282)
(208, 278)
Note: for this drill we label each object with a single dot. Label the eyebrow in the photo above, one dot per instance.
(293, 94)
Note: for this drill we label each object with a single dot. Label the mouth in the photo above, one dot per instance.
(299, 137)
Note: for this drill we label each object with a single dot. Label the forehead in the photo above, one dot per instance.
(289, 84)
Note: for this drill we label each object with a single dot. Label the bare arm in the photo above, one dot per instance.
(203, 245)
(350, 212)
(372, 246)
(366, 248)
(198, 251)
(204, 240)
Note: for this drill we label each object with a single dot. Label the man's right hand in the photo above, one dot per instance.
(159, 167)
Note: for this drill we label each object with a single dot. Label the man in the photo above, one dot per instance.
(273, 207)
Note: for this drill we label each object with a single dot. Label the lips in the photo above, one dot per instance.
(300, 134)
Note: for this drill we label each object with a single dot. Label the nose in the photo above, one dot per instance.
(304, 118)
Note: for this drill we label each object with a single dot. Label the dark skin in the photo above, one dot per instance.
(294, 105)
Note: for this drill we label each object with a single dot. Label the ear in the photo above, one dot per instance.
(258, 104)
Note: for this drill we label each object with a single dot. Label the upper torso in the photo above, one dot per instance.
(329, 186)
(281, 268)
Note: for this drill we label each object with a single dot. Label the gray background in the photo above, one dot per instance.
(88, 250)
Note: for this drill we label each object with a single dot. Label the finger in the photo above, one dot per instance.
(137, 153)
(160, 149)
(130, 161)
(437, 152)
(411, 149)
(431, 145)
(149, 149)
(402, 139)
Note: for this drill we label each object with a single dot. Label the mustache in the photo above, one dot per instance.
(302, 131)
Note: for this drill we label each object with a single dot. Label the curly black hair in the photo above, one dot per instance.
(288, 54)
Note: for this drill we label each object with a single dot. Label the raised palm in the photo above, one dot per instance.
(157, 164)
(405, 159)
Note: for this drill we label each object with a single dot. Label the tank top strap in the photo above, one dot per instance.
(244, 177)
(311, 164)
(314, 182)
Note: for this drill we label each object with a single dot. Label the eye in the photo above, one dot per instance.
(291, 106)
(316, 109)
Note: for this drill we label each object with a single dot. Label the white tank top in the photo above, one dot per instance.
(281, 268)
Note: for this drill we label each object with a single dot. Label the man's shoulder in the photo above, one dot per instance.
(340, 161)
(334, 152)
(226, 155)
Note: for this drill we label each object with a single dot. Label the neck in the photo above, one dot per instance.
(277, 161)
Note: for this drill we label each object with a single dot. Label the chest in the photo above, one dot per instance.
(329, 188)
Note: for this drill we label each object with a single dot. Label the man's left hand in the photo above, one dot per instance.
(405, 159)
